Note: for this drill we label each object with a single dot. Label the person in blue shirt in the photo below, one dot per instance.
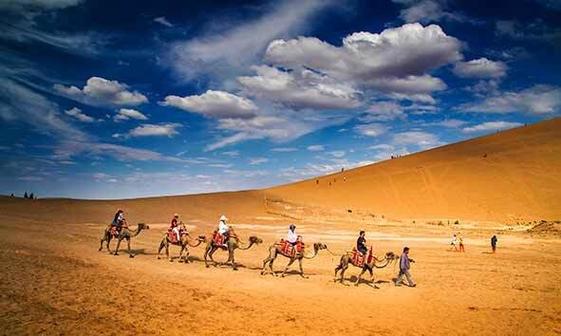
(404, 266)
(361, 243)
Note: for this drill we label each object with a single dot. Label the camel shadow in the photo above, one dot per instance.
(134, 252)
(486, 252)
(291, 273)
(372, 284)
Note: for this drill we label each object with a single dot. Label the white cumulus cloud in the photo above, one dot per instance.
(300, 89)
(166, 129)
(126, 114)
(215, 104)
(101, 91)
(480, 68)
(538, 99)
(491, 126)
(78, 114)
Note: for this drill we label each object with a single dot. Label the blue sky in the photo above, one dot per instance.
(172, 97)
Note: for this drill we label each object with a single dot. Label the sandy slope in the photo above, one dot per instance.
(53, 280)
(513, 175)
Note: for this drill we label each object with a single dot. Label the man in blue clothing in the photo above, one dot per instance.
(361, 243)
(404, 266)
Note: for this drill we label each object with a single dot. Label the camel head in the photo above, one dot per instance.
(201, 238)
(142, 226)
(391, 256)
(255, 240)
(320, 246)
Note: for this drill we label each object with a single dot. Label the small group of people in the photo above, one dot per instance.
(457, 243)
(119, 222)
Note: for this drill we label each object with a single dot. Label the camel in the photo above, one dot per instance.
(275, 250)
(346, 259)
(185, 243)
(125, 233)
(231, 245)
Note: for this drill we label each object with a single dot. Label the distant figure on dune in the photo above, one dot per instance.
(404, 266)
(454, 242)
(494, 243)
(461, 243)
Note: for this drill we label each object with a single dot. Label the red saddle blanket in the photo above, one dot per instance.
(359, 259)
(114, 232)
(287, 249)
(218, 239)
(172, 237)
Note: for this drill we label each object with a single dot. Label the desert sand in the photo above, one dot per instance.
(54, 281)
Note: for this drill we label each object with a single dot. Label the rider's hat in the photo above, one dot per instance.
(176, 215)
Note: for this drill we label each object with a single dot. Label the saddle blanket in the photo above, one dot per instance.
(287, 249)
(218, 239)
(172, 237)
(114, 232)
(359, 259)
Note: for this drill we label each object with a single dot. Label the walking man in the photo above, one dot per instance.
(494, 243)
(404, 266)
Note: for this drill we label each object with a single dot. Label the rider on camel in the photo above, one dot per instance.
(174, 226)
(361, 243)
(293, 238)
(119, 221)
(223, 228)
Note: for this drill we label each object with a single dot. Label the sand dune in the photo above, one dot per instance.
(513, 175)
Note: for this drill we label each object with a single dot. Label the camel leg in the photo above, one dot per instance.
(231, 259)
(167, 251)
(265, 262)
(301, 269)
(208, 255)
(108, 241)
(117, 248)
(269, 260)
(274, 257)
(186, 255)
(161, 247)
(181, 253)
(101, 244)
(372, 278)
(342, 280)
(337, 269)
(360, 276)
(211, 254)
(271, 267)
(205, 255)
(129, 248)
(287, 266)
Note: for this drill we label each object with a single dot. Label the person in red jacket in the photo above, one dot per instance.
(174, 226)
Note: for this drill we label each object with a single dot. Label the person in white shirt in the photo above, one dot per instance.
(454, 242)
(223, 228)
(291, 236)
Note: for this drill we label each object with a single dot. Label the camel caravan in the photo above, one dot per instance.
(224, 238)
